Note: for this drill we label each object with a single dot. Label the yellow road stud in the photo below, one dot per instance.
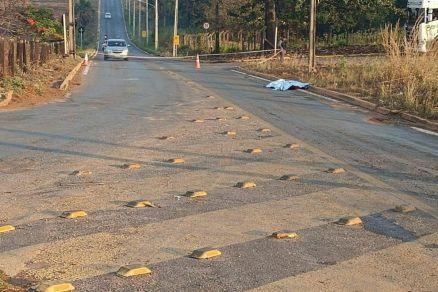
(230, 133)
(205, 253)
(217, 108)
(55, 286)
(284, 234)
(6, 228)
(73, 214)
(176, 160)
(404, 208)
(336, 170)
(290, 177)
(196, 194)
(140, 204)
(349, 221)
(254, 151)
(81, 173)
(243, 118)
(221, 119)
(133, 270)
(246, 185)
(292, 146)
(265, 130)
(131, 166)
(210, 97)
(198, 121)
(166, 138)
(230, 108)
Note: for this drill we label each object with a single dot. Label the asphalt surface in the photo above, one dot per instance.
(118, 116)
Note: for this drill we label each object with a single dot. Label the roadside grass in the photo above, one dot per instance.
(402, 78)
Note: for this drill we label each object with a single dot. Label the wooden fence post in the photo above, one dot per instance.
(13, 56)
(4, 52)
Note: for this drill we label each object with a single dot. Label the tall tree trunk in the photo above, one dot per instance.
(270, 20)
(217, 46)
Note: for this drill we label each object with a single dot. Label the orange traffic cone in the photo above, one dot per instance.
(198, 62)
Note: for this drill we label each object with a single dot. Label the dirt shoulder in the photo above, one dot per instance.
(39, 85)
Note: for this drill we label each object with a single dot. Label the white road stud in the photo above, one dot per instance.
(55, 286)
(349, 221)
(405, 208)
(265, 130)
(230, 133)
(254, 151)
(131, 166)
(133, 270)
(205, 253)
(246, 185)
(220, 119)
(140, 204)
(196, 194)
(6, 228)
(336, 170)
(290, 178)
(230, 108)
(198, 121)
(176, 160)
(73, 214)
(284, 234)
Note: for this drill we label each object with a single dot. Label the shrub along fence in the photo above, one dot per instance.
(21, 55)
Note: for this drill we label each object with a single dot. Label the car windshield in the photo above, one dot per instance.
(116, 44)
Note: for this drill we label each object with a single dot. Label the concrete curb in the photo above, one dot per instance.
(64, 85)
(8, 99)
(421, 122)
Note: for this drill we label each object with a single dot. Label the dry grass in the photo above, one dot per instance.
(6, 287)
(402, 78)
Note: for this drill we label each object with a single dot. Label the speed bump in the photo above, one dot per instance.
(131, 166)
(349, 221)
(254, 151)
(265, 130)
(55, 286)
(246, 185)
(176, 160)
(284, 234)
(205, 253)
(404, 208)
(230, 108)
(140, 204)
(81, 173)
(196, 194)
(243, 118)
(73, 214)
(133, 270)
(292, 146)
(6, 228)
(290, 177)
(336, 170)
(198, 121)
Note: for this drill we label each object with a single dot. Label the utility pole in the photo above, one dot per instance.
(71, 28)
(129, 14)
(139, 21)
(133, 18)
(312, 36)
(147, 23)
(156, 25)
(64, 30)
(175, 30)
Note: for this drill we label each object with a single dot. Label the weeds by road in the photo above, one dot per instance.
(401, 79)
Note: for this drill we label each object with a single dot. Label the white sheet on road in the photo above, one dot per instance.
(282, 85)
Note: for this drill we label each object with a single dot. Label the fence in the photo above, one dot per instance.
(21, 55)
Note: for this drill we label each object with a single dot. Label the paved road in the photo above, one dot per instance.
(118, 115)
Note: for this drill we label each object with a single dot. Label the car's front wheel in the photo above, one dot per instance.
(105, 57)
(126, 59)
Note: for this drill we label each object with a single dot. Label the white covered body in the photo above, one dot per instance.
(422, 4)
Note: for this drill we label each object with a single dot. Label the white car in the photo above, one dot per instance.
(107, 15)
(116, 49)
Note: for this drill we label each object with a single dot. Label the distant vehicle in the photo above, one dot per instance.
(423, 15)
(116, 49)
(107, 15)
